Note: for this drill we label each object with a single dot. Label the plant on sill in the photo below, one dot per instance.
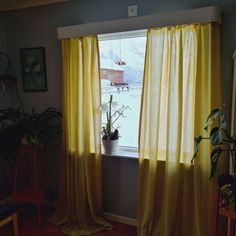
(34, 130)
(222, 142)
(109, 132)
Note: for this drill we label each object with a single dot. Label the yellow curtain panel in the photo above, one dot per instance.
(181, 86)
(79, 209)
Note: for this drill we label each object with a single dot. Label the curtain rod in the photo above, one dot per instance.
(197, 15)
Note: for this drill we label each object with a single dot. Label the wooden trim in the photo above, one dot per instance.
(15, 224)
(190, 16)
(5, 221)
(124, 35)
(13, 219)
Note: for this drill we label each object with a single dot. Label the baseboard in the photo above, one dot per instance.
(108, 216)
(120, 219)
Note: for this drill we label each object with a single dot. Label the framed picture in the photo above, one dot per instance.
(33, 68)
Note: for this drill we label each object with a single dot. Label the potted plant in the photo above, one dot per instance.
(110, 134)
(222, 142)
(34, 130)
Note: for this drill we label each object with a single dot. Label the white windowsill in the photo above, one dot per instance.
(123, 152)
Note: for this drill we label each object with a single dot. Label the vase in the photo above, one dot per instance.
(110, 146)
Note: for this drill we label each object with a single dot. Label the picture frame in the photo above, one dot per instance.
(33, 67)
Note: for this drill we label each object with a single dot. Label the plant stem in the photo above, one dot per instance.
(109, 117)
(120, 113)
(120, 110)
(107, 124)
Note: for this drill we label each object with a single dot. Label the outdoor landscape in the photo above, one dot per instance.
(122, 63)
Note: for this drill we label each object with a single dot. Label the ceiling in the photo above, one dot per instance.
(7, 5)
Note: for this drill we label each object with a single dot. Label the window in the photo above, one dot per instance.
(122, 63)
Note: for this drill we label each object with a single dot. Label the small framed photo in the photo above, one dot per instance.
(33, 69)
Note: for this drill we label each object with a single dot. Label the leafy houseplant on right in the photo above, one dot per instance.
(222, 142)
(110, 134)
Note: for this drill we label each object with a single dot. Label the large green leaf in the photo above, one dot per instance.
(222, 120)
(216, 114)
(216, 136)
(215, 154)
(197, 141)
(212, 116)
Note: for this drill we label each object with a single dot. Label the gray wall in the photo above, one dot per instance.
(5, 102)
(2, 33)
(37, 27)
(120, 177)
(5, 98)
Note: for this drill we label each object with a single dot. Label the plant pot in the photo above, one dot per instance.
(110, 146)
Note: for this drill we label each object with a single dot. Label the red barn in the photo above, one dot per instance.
(111, 71)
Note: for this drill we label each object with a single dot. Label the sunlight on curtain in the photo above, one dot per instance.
(79, 208)
(181, 71)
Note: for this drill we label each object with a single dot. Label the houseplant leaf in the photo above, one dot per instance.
(34, 130)
(216, 136)
(197, 141)
(215, 154)
(222, 120)
(212, 116)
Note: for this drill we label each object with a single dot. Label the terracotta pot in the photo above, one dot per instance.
(110, 146)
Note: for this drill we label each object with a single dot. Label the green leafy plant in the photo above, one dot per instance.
(109, 132)
(35, 130)
(219, 137)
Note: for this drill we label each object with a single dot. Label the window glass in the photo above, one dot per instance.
(122, 64)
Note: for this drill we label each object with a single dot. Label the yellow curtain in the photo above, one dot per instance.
(181, 86)
(79, 209)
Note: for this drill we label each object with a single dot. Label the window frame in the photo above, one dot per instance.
(124, 151)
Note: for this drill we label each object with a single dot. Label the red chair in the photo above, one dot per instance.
(26, 184)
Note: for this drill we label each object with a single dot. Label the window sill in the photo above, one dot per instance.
(123, 152)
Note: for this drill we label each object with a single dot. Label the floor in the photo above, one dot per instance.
(28, 226)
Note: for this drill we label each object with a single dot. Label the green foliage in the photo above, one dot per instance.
(219, 137)
(197, 141)
(35, 130)
(216, 115)
(215, 155)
